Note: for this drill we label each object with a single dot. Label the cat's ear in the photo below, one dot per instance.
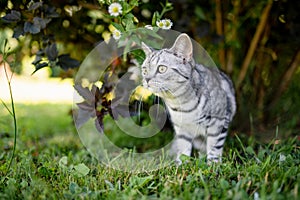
(146, 49)
(183, 46)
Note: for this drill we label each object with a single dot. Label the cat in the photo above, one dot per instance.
(200, 100)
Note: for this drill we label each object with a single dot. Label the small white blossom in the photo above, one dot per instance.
(167, 24)
(149, 27)
(160, 23)
(256, 196)
(115, 9)
(164, 24)
(282, 158)
(116, 34)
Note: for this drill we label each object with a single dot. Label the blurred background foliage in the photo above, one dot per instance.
(256, 42)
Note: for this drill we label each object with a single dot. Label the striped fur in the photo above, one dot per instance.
(200, 100)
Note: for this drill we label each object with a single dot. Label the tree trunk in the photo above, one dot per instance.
(287, 77)
(253, 44)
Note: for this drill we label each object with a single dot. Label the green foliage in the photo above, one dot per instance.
(48, 171)
(56, 166)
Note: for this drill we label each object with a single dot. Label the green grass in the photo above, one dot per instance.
(51, 163)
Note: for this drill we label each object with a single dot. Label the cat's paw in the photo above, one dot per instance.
(214, 160)
(182, 159)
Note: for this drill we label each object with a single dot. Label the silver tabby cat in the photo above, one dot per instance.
(200, 100)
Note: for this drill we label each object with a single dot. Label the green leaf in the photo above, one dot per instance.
(129, 16)
(135, 39)
(74, 188)
(139, 55)
(63, 161)
(150, 33)
(118, 26)
(134, 3)
(81, 169)
(250, 150)
(155, 18)
(24, 184)
(184, 158)
(44, 172)
(139, 182)
(126, 50)
(110, 185)
(129, 25)
(199, 13)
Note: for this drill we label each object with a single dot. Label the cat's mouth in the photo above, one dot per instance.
(154, 87)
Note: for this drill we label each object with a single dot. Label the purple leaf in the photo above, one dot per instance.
(82, 117)
(66, 62)
(85, 93)
(99, 124)
(13, 16)
(37, 60)
(34, 6)
(86, 106)
(51, 52)
(121, 110)
(40, 22)
(18, 31)
(40, 66)
(31, 28)
(50, 11)
(85, 112)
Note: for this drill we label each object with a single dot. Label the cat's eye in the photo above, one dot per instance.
(162, 69)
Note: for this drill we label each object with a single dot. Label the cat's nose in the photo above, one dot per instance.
(147, 79)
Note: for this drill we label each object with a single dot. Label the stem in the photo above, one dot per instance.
(12, 112)
(166, 9)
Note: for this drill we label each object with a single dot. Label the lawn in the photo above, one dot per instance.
(52, 163)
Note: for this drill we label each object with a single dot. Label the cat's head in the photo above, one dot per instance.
(165, 70)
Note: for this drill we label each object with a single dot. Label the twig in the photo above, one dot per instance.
(254, 42)
(286, 79)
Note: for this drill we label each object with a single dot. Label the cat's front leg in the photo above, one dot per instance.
(182, 145)
(216, 137)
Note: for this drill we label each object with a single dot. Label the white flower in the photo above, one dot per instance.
(116, 34)
(160, 23)
(256, 196)
(164, 24)
(115, 9)
(167, 24)
(149, 27)
(282, 157)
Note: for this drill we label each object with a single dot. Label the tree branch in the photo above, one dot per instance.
(219, 29)
(287, 77)
(254, 42)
